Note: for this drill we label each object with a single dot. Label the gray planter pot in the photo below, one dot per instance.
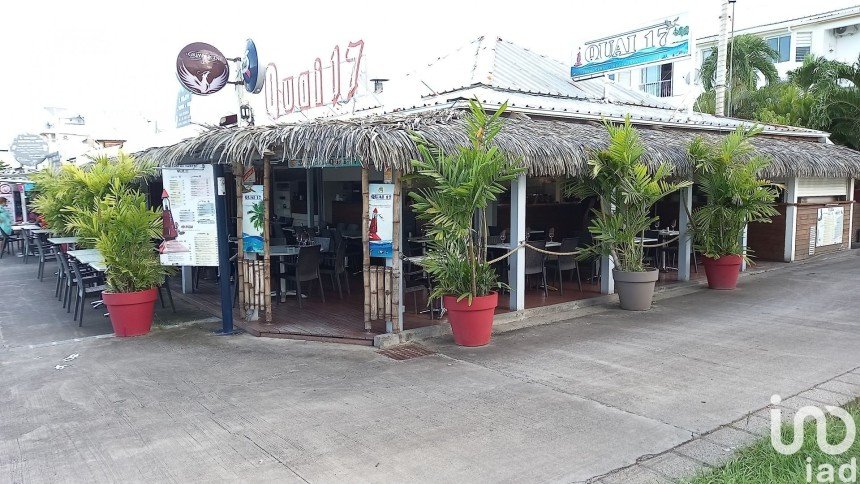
(635, 289)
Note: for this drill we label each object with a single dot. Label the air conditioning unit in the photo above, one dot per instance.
(845, 31)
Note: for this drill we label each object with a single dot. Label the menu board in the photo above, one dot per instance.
(829, 227)
(190, 230)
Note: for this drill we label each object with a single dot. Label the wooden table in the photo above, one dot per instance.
(62, 240)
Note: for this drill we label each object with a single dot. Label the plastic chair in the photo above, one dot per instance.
(562, 263)
(335, 268)
(307, 269)
(85, 286)
(535, 262)
(45, 254)
(8, 241)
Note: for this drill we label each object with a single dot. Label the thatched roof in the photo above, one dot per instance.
(544, 147)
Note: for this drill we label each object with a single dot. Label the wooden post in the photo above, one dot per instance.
(365, 247)
(267, 266)
(238, 172)
(396, 319)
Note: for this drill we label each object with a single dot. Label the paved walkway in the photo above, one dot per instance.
(574, 401)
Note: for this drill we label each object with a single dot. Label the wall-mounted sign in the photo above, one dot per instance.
(253, 219)
(658, 42)
(189, 226)
(254, 79)
(29, 149)
(381, 213)
(202, 68)
(337, 82)
(183, 107)
(828, 229)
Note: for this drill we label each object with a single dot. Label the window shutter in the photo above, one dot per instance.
(804, 46)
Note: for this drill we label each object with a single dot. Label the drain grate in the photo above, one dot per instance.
(406, 352)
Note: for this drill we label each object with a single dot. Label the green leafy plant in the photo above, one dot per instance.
(61, 190)
(258, 215)
(627, 189)
(460, 187)
(122, 228)
(728, 174)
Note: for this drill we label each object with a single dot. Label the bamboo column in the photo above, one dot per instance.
(396, 320)
(238, 172)
(267, 266)
(365, 243)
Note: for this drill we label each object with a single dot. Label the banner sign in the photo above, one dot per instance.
(190, 230)
(202, 69)
(828, 230)
(381, 216)
(253, 219)
(183, 108)
(659, 42)
(29, 149)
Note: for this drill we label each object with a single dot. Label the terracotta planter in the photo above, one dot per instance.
(471, 325)
(723, 271)
(130, 312)
(635, 289)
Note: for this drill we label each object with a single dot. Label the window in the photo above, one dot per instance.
(782, 45)
(803, 46)
(706, 52)
(611, 77)
(657, 80)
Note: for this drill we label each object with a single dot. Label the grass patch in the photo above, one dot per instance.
(762, 464)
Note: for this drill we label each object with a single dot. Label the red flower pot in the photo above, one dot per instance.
(130, 312)
(471, 325)
(723, 271)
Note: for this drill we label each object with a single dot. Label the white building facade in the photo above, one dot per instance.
(834, 35)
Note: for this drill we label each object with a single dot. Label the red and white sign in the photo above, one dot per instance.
(335, 82)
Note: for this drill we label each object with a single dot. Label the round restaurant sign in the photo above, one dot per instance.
(202, 68)
(29, 149)
(251, 69)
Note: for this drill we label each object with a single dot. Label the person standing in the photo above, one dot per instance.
(5, 219)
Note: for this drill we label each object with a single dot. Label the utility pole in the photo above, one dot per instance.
(720, 86)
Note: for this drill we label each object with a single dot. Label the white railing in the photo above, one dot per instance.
(658, 88)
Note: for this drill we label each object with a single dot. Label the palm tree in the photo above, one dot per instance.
(751, 57)
(833, 86)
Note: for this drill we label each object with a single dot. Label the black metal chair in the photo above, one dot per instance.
(562, 263)
(28, 244)
(85, 285)
(8, 241)
(166, 286)
(45, 254)
(307, 269)
(536, 262)
(334, 266)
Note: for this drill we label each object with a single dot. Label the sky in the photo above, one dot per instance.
(120, 56)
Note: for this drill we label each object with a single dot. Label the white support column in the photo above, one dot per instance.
(320, 189)
(744, 247)
(24, 218)
(607, 282)
(517, 271)
(685, 242)
(187, 273)
(790, 219)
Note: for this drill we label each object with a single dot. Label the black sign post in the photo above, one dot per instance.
(223, 251)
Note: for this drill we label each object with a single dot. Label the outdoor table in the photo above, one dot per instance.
(351, 237)
(416, 259)
(645, 240)
(19, 227)
(669, 233)
(42, 231)
(62, 240)
(98, 265)
(86, 256)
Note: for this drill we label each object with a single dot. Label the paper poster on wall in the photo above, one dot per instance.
(381, 216)
(6, 191)
(830, 225)
(189, 226)
(253, 218)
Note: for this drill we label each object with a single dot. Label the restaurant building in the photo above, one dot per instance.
(319, 173)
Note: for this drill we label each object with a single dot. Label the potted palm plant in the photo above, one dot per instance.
(728, 175)
(121, 226)
(627, 189)
(459, 188)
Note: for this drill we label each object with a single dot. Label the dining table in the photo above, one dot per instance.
(62, 240)
(20, 227)
(86, 256)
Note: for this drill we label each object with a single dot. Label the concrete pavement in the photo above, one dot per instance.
(566, 402)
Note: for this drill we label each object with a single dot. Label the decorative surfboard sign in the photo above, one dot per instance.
(254, 79)
(202, 68)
